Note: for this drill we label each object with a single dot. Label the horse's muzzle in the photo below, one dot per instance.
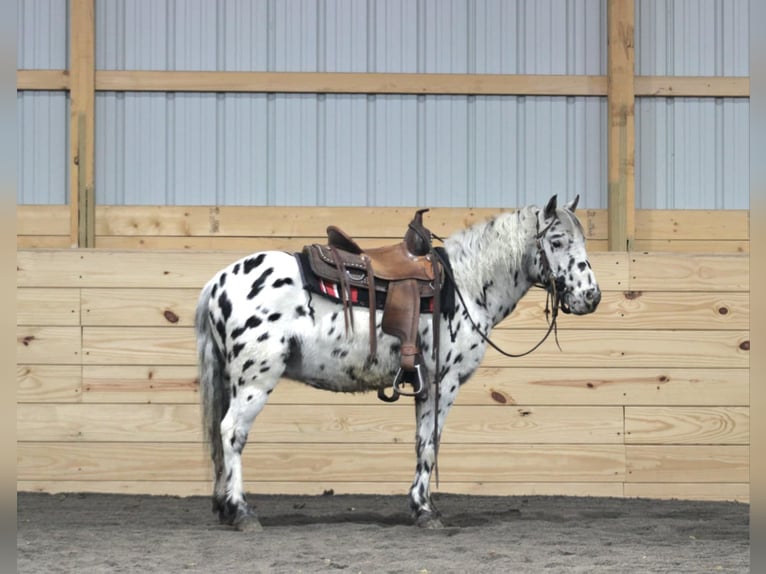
(588, 303)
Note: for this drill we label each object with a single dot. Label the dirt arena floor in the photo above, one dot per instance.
(370, 534)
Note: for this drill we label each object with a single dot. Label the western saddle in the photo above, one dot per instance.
(402, 274)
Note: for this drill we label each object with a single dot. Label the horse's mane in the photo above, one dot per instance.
(501, 240)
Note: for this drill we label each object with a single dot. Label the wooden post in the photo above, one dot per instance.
(621, 135)
(82, 97)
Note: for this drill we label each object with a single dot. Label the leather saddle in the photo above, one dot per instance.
(403, 273)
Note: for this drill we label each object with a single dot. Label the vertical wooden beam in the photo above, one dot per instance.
(621, 140)
(82, 100)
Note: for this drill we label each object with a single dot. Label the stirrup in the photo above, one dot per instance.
(419, 387)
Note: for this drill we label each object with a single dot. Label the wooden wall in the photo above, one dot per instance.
(648, 398)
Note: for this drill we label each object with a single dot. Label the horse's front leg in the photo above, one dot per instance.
(422, 507)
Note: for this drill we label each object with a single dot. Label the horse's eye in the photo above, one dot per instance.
(556, 244)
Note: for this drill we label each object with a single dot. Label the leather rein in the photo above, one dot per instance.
(553, 302)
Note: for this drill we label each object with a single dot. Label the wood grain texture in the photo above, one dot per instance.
(693, 224)
(349, 83)
(594, 348)
(280, 462)
(731, 491)
(681, 272)
(297, 221)
(42, 220)
(687, 463)
(614, 348)
(494, 386)
(139, 307)
(687, 425)
(618, 310)
(692, 86)
(42, 306)
(48, 383)
(43, 345)
(323, 487)
(322, 424)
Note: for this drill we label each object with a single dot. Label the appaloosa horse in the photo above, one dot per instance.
(256, 322)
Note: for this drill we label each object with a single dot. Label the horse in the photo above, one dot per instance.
(256, 323)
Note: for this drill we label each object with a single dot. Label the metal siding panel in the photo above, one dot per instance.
(394, 153)
(43, 135)
(692, 37)
(42, 40)
(692, 153)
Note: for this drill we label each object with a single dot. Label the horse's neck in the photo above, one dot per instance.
(491, 263)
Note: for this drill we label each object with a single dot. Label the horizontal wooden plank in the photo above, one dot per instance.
(178, 269)
(495, 386)
(350, 83)
(251, 244)
(594, 348)
(95, 268)
(42, 306)
(692, 86)
(693, 224)
(53, 80)
(138, 346)
(136, 307)
(642, 310)
(43, 242)
(48, 383)
(45, 345)
(605, 386)
(687, 463)
(696, 246)
(618, 310)
(615, 348)
(370, 424)
(43, 220)
(140, 384)
(280, 462)
(297, 222)
(687, 425)
(319, 488)
(684, 272)
(384, 83)
(722, 491)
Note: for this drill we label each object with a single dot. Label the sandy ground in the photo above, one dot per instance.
(121, 533)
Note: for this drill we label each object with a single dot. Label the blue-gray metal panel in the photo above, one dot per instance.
(300, 149)
(42, 34)
(450, 36)
(692, 37)
(43, 141)
(692, 153)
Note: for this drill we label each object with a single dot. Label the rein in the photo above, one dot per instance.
(553, 302)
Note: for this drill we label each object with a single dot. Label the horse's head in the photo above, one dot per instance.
(561, 262)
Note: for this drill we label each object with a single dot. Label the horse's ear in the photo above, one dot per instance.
(572, 205)
(550, 209)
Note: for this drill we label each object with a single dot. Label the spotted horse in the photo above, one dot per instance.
(256, 322)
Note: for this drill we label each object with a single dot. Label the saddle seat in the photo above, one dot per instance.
(404, 272)
(408, 259)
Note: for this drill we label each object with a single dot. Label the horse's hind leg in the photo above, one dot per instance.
(421, 505)
(248, 397)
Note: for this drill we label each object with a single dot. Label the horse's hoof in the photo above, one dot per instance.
(429, 522)
(250, 524)
(247, 521)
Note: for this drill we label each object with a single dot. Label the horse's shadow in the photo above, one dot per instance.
(450, 521)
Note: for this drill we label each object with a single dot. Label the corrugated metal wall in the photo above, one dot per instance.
(43, 133)
(290, 149)
(692, 152)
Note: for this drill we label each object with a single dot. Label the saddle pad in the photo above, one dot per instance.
(360, 297)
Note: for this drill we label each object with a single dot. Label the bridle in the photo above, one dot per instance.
(553, 302)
